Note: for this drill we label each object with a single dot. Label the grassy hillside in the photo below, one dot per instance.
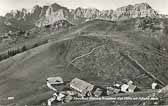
(90, 51)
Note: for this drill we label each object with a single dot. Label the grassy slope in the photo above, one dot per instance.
(23, 76)
(35, 35)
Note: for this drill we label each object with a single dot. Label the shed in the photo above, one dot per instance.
(130, 82)
(124, 88)
(55, 80)
(81, 86)
(117, 85)
(98, 92)
(112, 90)
(127, 81)
(132, 88)
(155, 85)
(116, 91)
(128, 88)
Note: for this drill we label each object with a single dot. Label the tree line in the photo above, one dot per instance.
(17, 50)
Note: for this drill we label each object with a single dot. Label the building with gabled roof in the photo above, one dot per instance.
(81, 86)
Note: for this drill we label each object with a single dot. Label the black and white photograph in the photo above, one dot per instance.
(83, 52)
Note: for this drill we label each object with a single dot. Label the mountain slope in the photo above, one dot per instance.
(94, 56)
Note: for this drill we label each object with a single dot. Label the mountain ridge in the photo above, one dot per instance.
(45, 15)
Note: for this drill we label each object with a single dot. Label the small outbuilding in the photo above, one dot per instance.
(55, 80)
(129, 88)
(98, 92)
(155, 85)
(117, 85)
(130, 82)
(112, 90)
(132, 88)
(124, 88)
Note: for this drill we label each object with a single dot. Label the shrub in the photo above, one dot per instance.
(24, 48)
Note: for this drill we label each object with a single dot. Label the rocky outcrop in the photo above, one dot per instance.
(47, 15)
(85, 13)
(52, 18)
(91, 13)
(58, 25)
(52, 14)
(134, 11)
(43, 11)
(126, 12)
(36, 11)
(106, 14)
(16, 14)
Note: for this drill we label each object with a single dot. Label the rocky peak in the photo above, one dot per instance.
(35, 13)
(35, 9)
(91, 13)
(55, 7)
(24, 11)
(78, 12)
(137, 7)
(12, 14)
(143, 6)
(51, 14)
(133, 11)
(52, 8)
(16, 14)
(106, 14)
(43, 11)
(85, 13)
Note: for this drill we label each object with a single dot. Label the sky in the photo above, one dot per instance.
(6, 5)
